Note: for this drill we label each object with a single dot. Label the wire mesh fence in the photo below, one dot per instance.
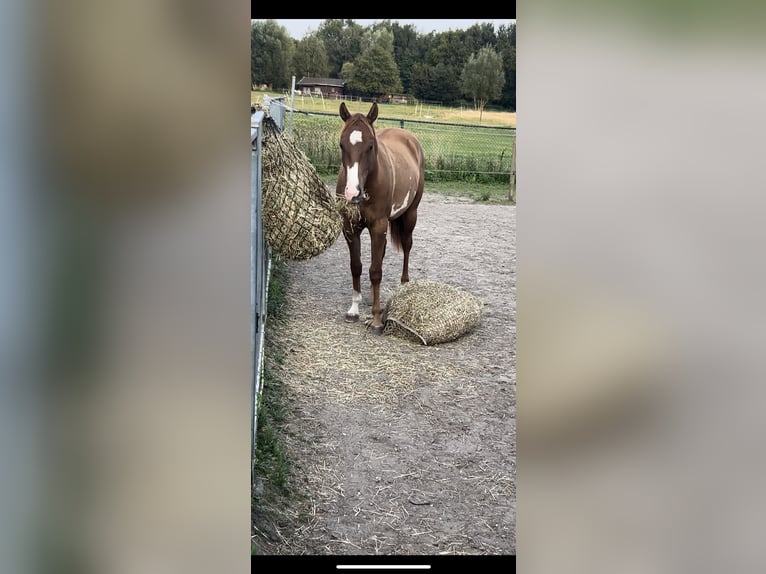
(452, 151)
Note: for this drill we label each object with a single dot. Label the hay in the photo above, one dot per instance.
(430, 312)
(300, 218)
(348, 210)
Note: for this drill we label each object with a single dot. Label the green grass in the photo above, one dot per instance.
(452, 152)
(479, 192)
(271, 463)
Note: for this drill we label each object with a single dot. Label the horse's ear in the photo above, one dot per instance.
(344, 114)
(372, 115)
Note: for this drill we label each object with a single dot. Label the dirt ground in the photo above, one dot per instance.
(396, 447)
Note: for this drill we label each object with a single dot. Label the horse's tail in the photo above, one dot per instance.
(401, 227)
(395, 225)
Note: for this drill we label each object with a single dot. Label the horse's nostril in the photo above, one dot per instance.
(353, 194)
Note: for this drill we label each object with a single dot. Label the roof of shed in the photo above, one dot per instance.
(334, 82)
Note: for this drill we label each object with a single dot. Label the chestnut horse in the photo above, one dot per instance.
(382, 173)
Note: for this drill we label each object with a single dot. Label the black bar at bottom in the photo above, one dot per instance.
(436, 564)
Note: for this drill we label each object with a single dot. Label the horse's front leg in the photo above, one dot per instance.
(378, 249)
(355, 254)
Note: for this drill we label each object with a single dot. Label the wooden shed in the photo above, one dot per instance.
(328, 87)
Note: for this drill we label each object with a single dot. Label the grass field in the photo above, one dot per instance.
(456, 146)
(452, 152)
(404, 111)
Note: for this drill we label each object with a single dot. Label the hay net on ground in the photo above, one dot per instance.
(430, 312)
(300, 217)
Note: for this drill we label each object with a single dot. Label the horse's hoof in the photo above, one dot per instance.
(351, 318)
(376, 330)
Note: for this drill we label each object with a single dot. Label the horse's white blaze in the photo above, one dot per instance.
(352, 182)
(397, 210)
(355, 137)
(356, 297)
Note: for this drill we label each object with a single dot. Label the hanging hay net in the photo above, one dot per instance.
(300, 217)
(430, 312)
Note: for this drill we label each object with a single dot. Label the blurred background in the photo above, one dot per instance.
(640, 337)
(125, 302)
(125, 207)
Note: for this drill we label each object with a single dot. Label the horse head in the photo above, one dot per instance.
(359, 150)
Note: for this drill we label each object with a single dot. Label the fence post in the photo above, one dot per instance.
(512, 188)
(292, 106)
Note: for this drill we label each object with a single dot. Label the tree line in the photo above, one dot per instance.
(476, 65)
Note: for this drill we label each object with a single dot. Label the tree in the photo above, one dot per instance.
(347, 71)
(407, 52)
(271, 52)
(448, 54)
(478, 36)
(375, 71)
(506, 46)
(310, 58)
(483, 77)
(342, 41)
(406, 48)
(429, 66)
(435, 83)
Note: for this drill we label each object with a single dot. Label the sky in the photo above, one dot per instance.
(298, 27)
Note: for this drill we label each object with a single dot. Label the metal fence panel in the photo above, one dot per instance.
(260, 257)
(260, 261)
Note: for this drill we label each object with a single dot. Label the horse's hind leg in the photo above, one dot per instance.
(355, 254)
(406, 224)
